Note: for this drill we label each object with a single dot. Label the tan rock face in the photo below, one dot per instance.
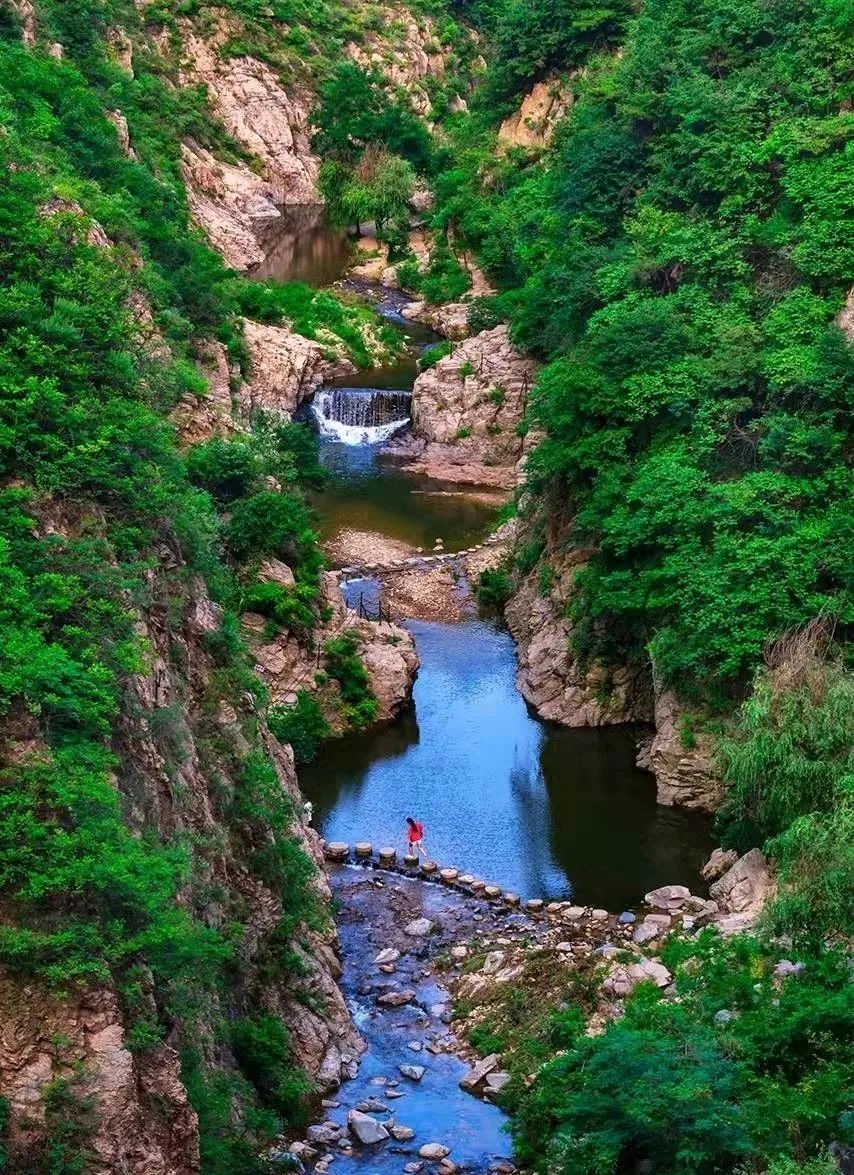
(286, 368)
(845, 317)
(198, 418)
(686, 776)
(541, 110)
(228, 200)
(472, 401)
(288, 665)
(403, 60)
(144, 1123)
(450, 319)
(549, 676)
(746, 887)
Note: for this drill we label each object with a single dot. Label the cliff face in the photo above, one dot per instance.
(269, 122)
(288, 665)
(560, 689)
(466, 409)
(183, 741)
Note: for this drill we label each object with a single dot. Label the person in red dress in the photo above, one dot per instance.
(415, 836)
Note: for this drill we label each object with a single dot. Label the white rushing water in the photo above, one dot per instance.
(360, 416)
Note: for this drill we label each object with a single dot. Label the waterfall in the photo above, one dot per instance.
(361, 416)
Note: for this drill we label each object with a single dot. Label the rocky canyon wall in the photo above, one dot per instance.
(562, 689)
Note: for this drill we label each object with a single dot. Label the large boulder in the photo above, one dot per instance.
(743, 891)
(366, 1129)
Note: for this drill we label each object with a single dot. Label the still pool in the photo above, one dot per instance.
(366, 492)
(546, 811)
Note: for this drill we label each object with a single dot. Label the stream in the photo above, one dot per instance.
(544, 811)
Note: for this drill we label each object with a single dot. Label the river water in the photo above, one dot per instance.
(545, 811)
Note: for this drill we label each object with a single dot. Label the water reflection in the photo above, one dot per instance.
(546, 811)
(367, 493)
(302, 247)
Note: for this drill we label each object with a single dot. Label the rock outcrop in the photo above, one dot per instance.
(410, 61)
(743, 892)
(286, 369)
(549, 675)
(466, 409)
(287, 664)
(144, 1121)
(684, 768)
(178, 739)
(228, 199)
(542, 108)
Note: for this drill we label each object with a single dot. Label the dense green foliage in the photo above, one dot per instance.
(789, 765)
(303, 725)
(346, 667)
(102, 519)
(679, 262)
(678, 257)
(672, 1085)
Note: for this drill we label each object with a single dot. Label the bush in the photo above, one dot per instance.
(292, 608)
(226, 469)
(493, 589)
(432, 354)
(344, 664)
(271, 523)
(302, 725)
(264, 1052)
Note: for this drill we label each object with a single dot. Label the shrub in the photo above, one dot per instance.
(493, 589)
(291, 608)
(432, 354)
(264, 1052)
(226, 469)
(302, 725)
(344, 664)
(271, 523)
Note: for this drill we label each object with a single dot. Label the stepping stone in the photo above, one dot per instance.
(396, 999)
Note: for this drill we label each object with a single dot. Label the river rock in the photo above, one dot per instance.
(718, 863)
(324, 1133)
(372, 1105)
(668, 897)
(495, 1082)
(418, 928)
(624, 978)
(745, 888)
(434, 1151)
(366, 1129)
(396, 999)
(648, 931)
(478, 1073)
(493, 962)
(389, 955)
(402, 1133)
(413, 1072)
(413, 1168)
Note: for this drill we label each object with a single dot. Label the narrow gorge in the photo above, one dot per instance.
(438, 412)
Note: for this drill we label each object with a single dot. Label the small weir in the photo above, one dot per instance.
(358, 416)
